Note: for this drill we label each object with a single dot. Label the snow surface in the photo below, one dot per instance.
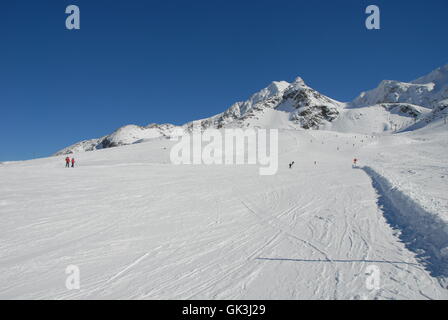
(139, 227)
(377, 118)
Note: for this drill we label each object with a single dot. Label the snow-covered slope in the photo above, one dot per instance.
(378, 118)
(139, 227)
(439, 77)
(438, 114)
(425, 91)
(394, 91)
(123, 136)
(266, 98)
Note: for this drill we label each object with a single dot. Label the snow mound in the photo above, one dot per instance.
(422, 229)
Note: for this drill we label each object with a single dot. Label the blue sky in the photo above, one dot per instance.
(142, 61)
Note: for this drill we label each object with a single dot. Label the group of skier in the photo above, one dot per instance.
(355, 163)
(68, 161)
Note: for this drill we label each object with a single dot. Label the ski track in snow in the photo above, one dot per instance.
(128, 267)
(140, 228)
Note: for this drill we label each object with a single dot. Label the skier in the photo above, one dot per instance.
(291, 164)
(73, 162)
(355, 162)
(67, 162)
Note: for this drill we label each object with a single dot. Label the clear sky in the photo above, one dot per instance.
(143, 61)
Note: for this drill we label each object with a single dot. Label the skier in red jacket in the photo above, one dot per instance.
(73, 162)
(67, 162)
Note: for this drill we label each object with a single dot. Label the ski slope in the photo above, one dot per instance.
(139, 227)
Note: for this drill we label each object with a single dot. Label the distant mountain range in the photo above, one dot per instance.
(392, 106)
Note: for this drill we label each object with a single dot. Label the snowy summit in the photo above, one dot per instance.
(393, 105)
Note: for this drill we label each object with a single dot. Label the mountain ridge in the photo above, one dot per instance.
(392, 105)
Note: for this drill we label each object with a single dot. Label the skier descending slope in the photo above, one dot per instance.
(73, 162)
(67, 162)
(355, 163)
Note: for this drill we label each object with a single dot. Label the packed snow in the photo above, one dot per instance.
(139, 227)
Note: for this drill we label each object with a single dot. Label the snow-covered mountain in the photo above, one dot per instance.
(295, 103)
(378, 118)
(308, 108)
(126, 135)
(426, 91)
(392, 106)
(266, 98)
